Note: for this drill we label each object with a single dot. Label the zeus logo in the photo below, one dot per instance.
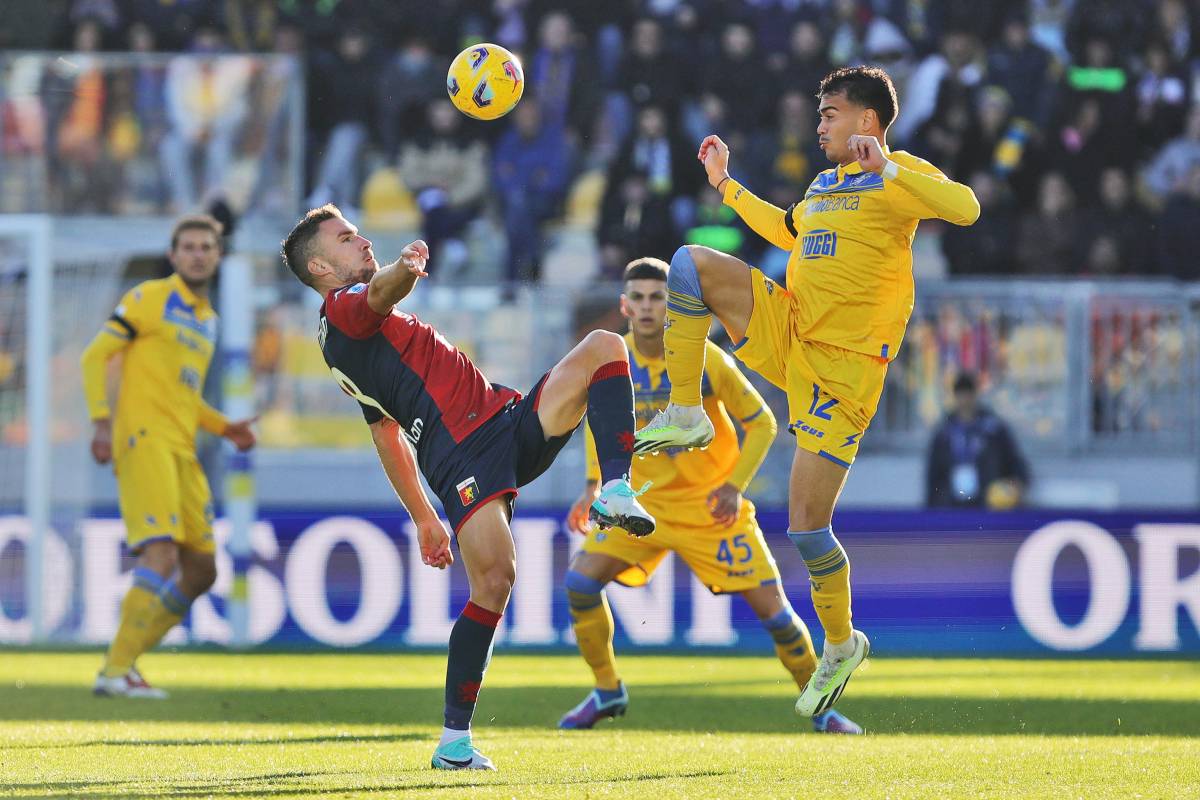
(804, 427)
(818, 244)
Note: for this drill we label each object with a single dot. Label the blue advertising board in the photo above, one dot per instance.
(1020, 583)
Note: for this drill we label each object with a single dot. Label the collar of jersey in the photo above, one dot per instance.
(189, 297)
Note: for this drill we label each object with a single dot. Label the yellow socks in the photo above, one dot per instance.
(592, 621)
(151, 608)
(793, 645)
(140, 606)
(688, 321)
(829, 576)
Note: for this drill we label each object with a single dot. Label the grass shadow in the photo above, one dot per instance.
(654, 707)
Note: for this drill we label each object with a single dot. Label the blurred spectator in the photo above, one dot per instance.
(1022, 68)
(342, 95)
(973, 459)
(805, 62)
(79, 106)
(984, 248)
(734, 76)
(206, 102)
(1179, 230)
(251, 24)
(1175, 25)
(648, 75)
(447, 172)
(667, 163)
(785, 158)
(1161, 99)
(633, 220)
(1171, 166)
(174, 23)
(1121, 222)
(411, 79)
(958, 62)
(1110, 21)
(1083, 141)
(560, 73)
(1048, 240)
(531, 171)
(275, 100)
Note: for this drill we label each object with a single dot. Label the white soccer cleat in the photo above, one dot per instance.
(618, 507)
(675, 426)
(827, 683)
(131, 684)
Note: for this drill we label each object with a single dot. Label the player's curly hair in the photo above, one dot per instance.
(642, 269)
(297, 248)
(869, 87)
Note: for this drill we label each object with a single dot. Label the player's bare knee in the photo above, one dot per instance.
(605, 346)
(199, 577)
(495, 585)
(804, 516)
(162, 557)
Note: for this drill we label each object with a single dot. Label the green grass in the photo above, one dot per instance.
(261, 726)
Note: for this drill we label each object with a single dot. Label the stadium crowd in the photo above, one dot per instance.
(1075, 121)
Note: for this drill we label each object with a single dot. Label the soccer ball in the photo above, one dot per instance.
(485, 81)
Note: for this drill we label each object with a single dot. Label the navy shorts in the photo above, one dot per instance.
(500, 456)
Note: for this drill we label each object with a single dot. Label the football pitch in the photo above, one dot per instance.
(364, 725)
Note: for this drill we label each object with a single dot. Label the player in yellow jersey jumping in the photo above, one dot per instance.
(828, 337)
(166, 331)
(697, 502)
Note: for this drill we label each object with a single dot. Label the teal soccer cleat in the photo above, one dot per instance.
(618, 507)
(460, 754)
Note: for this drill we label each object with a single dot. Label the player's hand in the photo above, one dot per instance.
(414, 257)
(435, 543)
(241, 435)
(869, 153)
(577, 517)
(725, 503)
(714, 155)
(102, 441)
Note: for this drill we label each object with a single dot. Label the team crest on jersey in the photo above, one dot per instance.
(468, 491)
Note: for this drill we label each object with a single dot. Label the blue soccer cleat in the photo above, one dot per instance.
(460, 754)
(832, 721)
(593, 709)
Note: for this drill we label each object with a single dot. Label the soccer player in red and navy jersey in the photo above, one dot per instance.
(430, 408)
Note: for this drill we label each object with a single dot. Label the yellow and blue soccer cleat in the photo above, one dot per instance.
(675, 426)
(618, 507)
(595, 708)
(460, 754)
(826, 685)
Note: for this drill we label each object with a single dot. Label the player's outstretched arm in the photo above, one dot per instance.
(767, 220)
(927, 192)
(395, 282)
(400, 464)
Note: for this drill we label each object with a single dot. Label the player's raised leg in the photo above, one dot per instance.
(594, 379)
(814, 487)
(489, 557)
(794, 646)
(701, 282)
(592, 621)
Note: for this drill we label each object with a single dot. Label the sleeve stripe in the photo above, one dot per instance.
(124, 324)
(787, 220)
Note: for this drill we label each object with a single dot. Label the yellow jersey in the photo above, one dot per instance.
(167, 334)
(850, 238)
(682, 480)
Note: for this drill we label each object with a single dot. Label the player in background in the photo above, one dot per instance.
(476, 443)
(698, 504)
(828, 337)
(166, 331)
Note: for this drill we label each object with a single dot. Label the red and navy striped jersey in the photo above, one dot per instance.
(397, 366)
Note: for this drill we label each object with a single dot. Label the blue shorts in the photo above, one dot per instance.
(505, 453)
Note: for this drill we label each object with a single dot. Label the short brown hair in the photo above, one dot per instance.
(297, 248)
(197, 222)
(869, 87)
(645, 269)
